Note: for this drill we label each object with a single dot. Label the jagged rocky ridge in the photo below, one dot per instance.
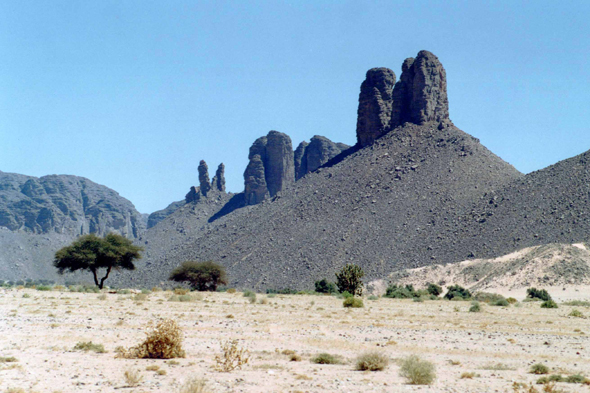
(423, 192)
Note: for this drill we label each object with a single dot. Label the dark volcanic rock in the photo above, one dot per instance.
(375, 104)
(69, 205)
(300, 160)
(420, 96)
(219, 179)
(271, 167)
(204, 183)
(311, 156)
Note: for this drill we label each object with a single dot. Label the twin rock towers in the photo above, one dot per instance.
(419, 97)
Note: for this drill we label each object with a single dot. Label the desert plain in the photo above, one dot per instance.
(488, 351)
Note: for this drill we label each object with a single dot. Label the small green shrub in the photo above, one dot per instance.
(511, 300)
(324, 286)
(372, 361)
(418, 300)
(345, 295)
(373, 297)
(417, 371)
(549, 304)
(457, 292)
(26, 295)
(398, 292)
(475, 307)
(326, 358)
(43, 288)
(576, 314)
(534, 293)
(576, 378)
(354, 302)
(248, 293)
(539, 369)
(487, 297)
(89, 346)
(578, 303)
(501, 303)
(123, 291)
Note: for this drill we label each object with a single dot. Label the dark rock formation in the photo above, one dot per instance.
(219, 179)
(300, 160)
(255, 188)
(420, 96)
(271, 167)
(64, 204)
(375, 103)
(193, 195)
(204, 183)
(310, 156)
(159, 215)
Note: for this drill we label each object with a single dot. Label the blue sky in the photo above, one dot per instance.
(132, 94)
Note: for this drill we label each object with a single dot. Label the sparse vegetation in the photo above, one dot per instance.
(549, 304)
(8, 359)
(324, 286)
(132, 377)
(349, 279)
(417, 371)
(469, 375)
(539, 369)
(354, 302)
(433, 289)
(534, 293)
(233, 357)
(576, 314)
(162, 342)
(457, 292)
(89, 346)
(202, 276)
(326, 358)
(475, 307)
(578, 303)
(372, 361)
(194, 386)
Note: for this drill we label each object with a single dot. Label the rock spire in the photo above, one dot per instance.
(375, 102)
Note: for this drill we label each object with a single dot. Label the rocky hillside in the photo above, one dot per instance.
(415, 191)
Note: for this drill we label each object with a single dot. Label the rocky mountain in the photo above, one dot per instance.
(65, 204)
(40, 215)
(414, 191)
(310, 156)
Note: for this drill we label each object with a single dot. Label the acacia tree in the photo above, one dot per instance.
(90, 252)
(202, 276)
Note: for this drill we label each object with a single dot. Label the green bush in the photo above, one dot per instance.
(346, 295)
(202, 276)
(354, 302)
(576, 378)
(434, 289)
(417, 371)
(349, 279)
(326, 358)
(284, 291)
(457, 292)
(398, 292)
(248, 293)
(576, 314)
(475, 307)
(549, 304)
(43, 288)
(534, 293)
(324, 286)
(372, 361)
(501, 303)
(539, 369)
(487, 297)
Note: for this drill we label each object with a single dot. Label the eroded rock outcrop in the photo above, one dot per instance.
(420, 96)
(310, 156)
(271, 167)
(204, 183)
(375, 105)
(218, 181)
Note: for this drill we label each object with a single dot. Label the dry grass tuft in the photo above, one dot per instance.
(89, 346)
(132, 377)
(162, 342)
(194, 386)
(417, 371)
(233, 357)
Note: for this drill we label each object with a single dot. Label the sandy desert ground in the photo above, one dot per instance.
(499, 345)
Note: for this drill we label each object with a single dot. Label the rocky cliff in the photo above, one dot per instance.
(65, 204)
(310, 156)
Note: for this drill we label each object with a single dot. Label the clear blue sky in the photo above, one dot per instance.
(132, 94)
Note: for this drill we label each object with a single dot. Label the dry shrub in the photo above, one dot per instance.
(233, 357)
(132, 377)
(417, 371)
(181, 291)
(162, 342)
(372, 361)
(194, 386)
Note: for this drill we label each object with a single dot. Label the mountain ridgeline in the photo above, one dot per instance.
(414, 191)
